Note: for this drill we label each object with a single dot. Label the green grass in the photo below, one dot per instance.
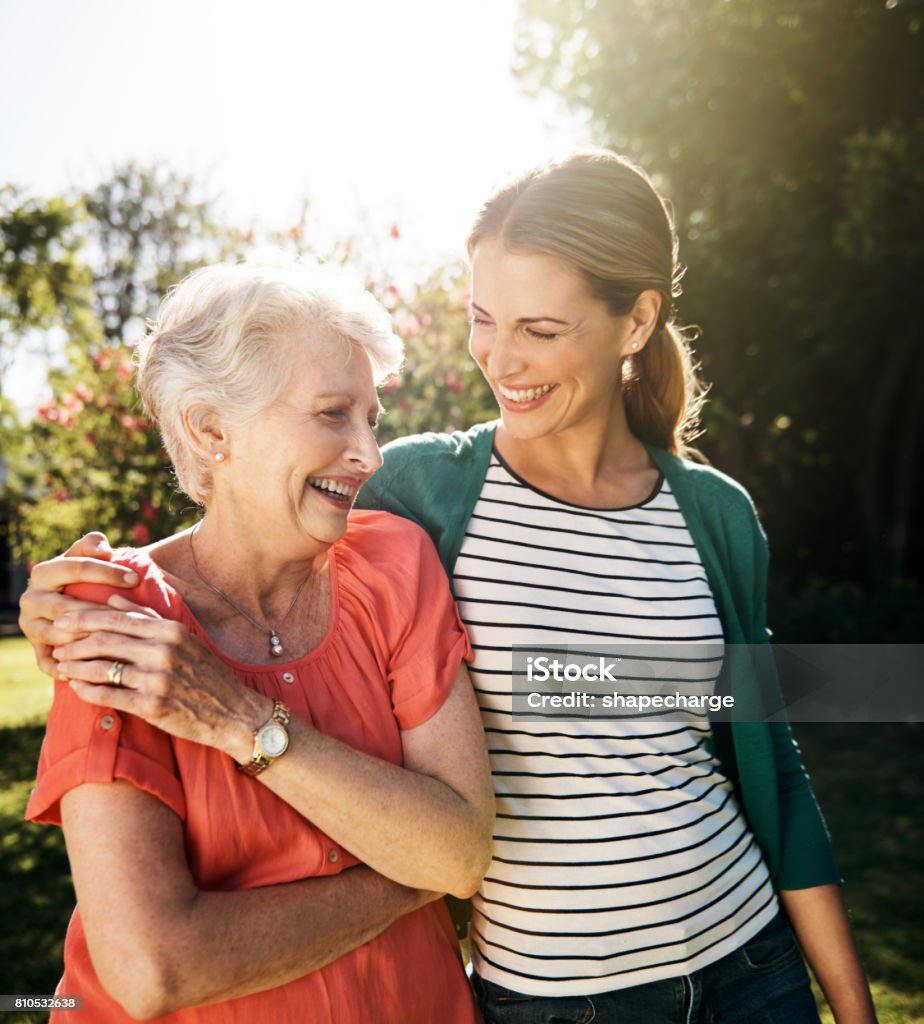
(36, 891)
(25, 693)
(869, 780)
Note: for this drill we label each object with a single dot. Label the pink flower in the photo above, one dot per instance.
(452, 381)
(410, 326)
(102, 360)
(395, 232)
(141, 534)
(71, 403)
(392, 384)
(124, 371)
(426, 320)
(148, 511)
(61, 495)
(84, 393)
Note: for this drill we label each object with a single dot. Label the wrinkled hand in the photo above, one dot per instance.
(171, 678)
(86, 561)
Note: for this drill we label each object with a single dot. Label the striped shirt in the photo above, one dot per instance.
(620, 854)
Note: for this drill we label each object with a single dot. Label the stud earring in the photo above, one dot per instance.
(634, 345)
(219, 456)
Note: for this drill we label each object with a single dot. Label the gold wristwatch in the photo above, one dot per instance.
(270, 741)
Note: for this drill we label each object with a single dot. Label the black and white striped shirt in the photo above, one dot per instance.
(620, 854)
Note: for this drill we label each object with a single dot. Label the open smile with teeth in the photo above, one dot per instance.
(335, 488)
(525, 394)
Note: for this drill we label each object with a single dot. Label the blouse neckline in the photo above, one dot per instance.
(188, 618)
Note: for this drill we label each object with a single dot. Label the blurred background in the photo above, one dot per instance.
(141, 140)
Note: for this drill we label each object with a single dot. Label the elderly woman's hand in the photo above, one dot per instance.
(170, 677)
(86, 561)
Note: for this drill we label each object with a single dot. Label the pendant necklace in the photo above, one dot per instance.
(276, 648)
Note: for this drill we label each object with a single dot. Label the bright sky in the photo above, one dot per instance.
(379, 111)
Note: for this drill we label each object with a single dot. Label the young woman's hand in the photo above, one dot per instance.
(86, 561)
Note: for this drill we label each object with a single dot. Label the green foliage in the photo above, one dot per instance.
(42, 281)
(149, 227)
(789, 137)
(440, 388)
(90, 459)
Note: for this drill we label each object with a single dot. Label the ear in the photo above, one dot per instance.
(642, 321)
(205, 432)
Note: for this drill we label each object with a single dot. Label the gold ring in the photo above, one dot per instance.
(114, 675)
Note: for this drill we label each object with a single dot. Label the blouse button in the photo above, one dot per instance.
(106, 722)
(333, 856)
(287, 677)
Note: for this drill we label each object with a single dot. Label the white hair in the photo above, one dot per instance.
(216, 345)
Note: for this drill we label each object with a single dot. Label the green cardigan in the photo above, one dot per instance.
(435, 481)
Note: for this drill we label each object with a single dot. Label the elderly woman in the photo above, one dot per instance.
(277, 855)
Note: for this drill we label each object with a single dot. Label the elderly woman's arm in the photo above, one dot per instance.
(442, 796)
(158, 943)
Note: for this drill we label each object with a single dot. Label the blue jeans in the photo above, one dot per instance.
(762, 982)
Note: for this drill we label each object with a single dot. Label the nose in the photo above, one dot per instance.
(497, 353)
(364, 452)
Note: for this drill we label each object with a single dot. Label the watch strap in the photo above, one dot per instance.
(259, 759)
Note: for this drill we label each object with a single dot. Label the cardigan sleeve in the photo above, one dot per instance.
(383, 491)
(433, 480)
(806, 854)
(762, 756)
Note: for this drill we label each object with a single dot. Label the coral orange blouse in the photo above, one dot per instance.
(388, 662)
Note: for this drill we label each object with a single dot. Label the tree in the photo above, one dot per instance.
(789, 137)
(440, 387)
(149, 227)
(43, 282)
(91, 460)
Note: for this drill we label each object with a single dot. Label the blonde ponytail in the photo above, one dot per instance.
(662, 395)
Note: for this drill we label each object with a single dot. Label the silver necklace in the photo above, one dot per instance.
(276, 648)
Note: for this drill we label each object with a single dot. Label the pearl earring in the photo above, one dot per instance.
(634, 345)
(219, 456)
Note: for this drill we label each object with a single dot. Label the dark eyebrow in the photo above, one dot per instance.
(527, 319)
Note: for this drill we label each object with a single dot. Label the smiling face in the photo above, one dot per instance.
(295, 468)
(551, 351)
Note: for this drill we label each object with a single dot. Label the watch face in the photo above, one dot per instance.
(273, 739)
